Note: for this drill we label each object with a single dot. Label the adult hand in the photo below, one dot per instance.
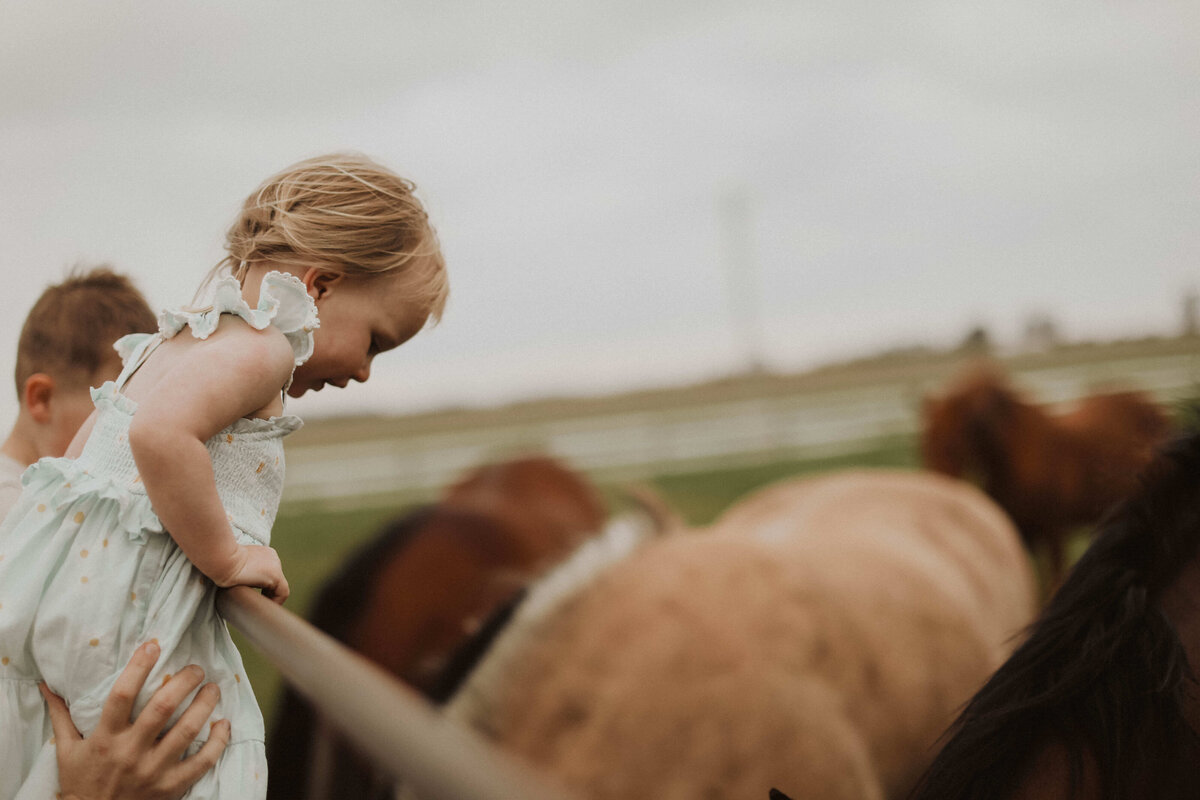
(124, 760)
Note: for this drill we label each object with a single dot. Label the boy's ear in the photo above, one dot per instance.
(319, 282)
(38, 392)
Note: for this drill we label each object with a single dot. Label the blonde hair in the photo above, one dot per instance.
(343, 213)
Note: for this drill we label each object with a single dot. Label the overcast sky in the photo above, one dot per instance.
(876, 173)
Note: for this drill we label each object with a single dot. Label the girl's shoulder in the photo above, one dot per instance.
(283, 304)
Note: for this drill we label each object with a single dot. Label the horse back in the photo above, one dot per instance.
(821, 634)
(945, 520)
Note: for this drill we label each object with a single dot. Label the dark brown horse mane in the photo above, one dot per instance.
(1102, 675)
(336, 607)
(407, 598)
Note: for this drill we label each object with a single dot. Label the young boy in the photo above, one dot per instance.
(66, 347)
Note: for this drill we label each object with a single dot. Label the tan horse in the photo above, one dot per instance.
(817, 639)
(1050, 472)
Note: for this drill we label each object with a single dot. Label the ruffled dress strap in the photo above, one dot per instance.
(283, 302)
(134, 349)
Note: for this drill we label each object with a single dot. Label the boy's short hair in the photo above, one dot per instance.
(70, 330)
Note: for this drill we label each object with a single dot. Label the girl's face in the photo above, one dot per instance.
(361, 317)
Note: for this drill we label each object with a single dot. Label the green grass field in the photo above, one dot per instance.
(312, 543)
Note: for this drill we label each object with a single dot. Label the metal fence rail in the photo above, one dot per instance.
(402, 733)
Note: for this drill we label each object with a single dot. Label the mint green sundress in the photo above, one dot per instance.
(87, 573)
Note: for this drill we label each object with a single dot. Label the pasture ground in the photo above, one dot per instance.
(313, 542)
(313, 537)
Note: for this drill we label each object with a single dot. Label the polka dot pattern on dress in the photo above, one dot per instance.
(109, 516)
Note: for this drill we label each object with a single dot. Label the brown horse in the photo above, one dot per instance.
(1050, 472)
(817, 638)
(449, 579)
(1101, 701)
(411, 597)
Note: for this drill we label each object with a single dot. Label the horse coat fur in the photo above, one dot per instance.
(1051, 470)
(817, 638)
(410, 598)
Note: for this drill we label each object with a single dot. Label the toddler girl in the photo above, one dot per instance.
(188, 442)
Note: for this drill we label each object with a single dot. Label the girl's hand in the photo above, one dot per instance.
(124, 760)
(259, 566)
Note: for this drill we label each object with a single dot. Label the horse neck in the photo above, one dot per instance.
(472, 699)
(994, 441)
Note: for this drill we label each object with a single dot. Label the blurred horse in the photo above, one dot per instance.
(411, 597)
(816, 638)
(1101, 701)
(1049, 472)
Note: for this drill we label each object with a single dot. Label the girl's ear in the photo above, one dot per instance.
(319, 282)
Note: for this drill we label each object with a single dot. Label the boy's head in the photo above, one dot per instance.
(66, 346)
(344, 214)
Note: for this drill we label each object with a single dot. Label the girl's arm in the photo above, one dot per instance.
(207, 385)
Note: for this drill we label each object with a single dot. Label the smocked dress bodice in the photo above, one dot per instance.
(87, 572)
(247, 457)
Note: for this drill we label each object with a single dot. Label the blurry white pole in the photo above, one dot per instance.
(741, 275)
(386, 720)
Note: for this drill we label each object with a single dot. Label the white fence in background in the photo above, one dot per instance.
(692, 437)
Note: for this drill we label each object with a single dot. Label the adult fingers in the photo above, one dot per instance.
(163, 703)
(181, 777)
(60, 717)
(118, 707)
(189, 724)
